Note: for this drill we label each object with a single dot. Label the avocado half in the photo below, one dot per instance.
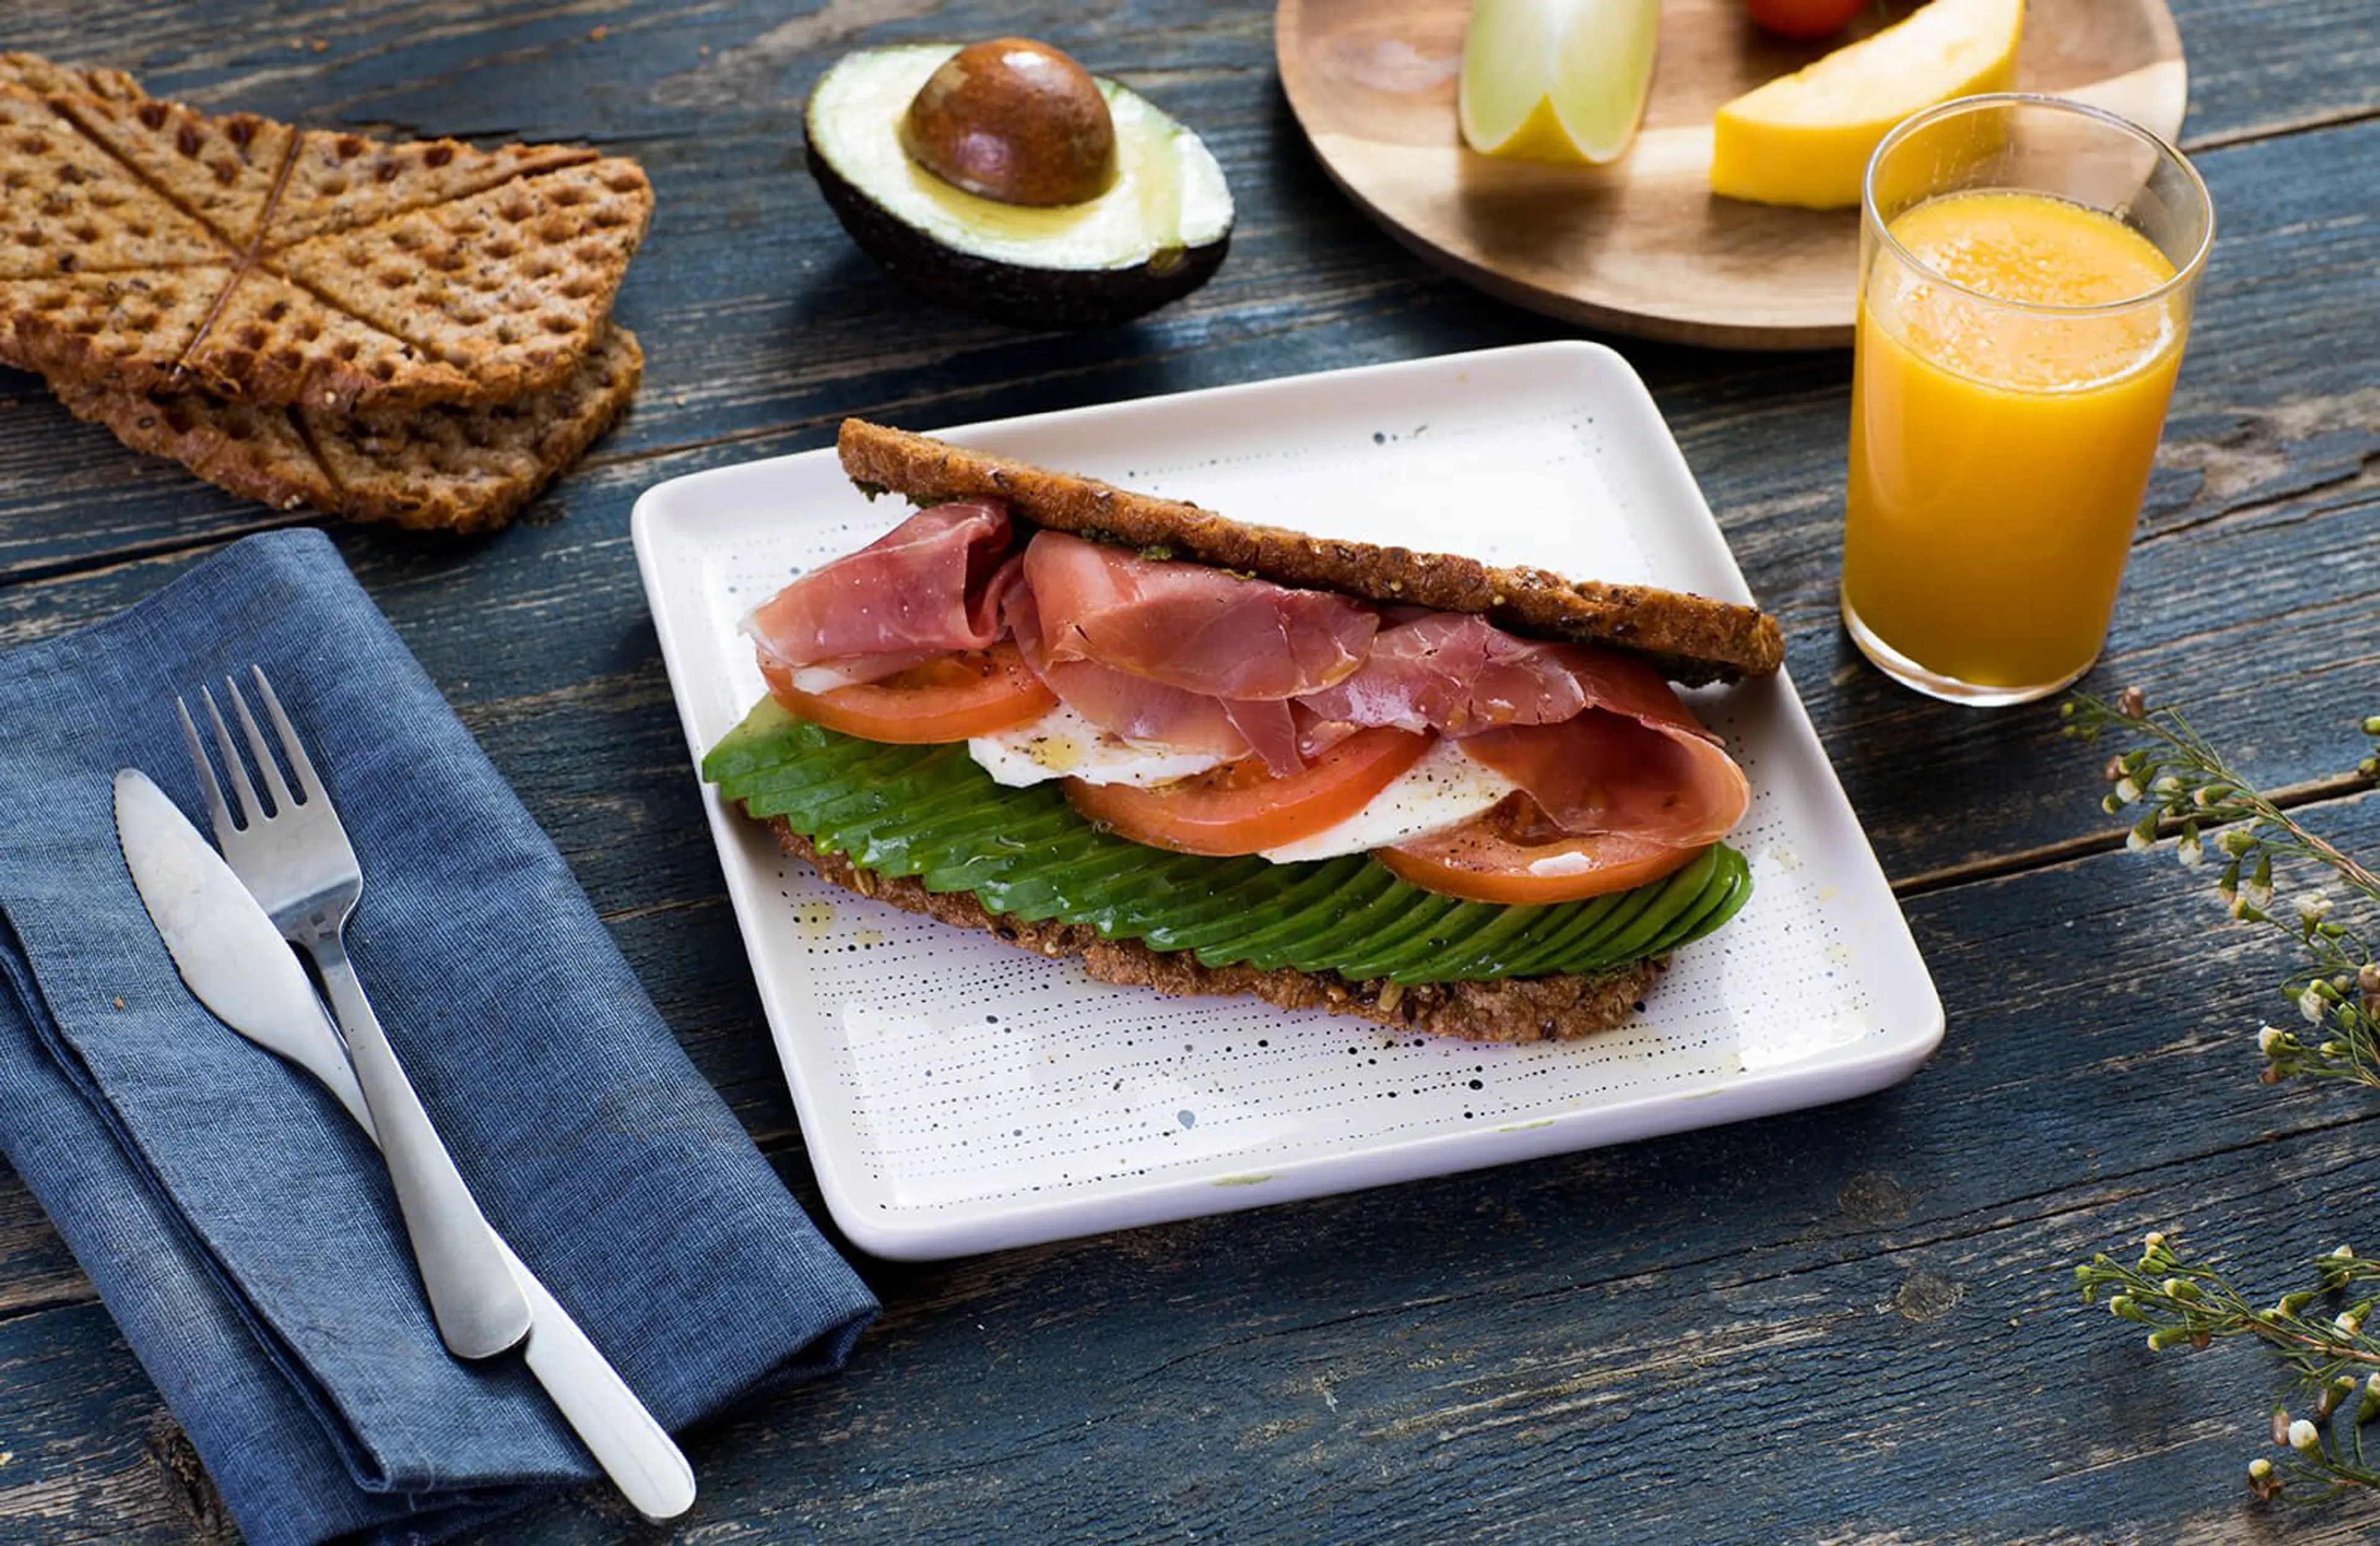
(1157, 234)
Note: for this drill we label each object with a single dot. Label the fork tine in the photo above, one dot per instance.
(218, 813)
(251, 810)
(266, 763)
(309, 782)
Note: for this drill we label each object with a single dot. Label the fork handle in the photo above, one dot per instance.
(623, 1434)
(474, 1298)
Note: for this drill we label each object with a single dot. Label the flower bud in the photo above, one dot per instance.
(2190, 851)
(2272, 1041)
(2372, 725)
(2304, 1437)
(2314, 907)
(2133, 704)
(2312, 1004)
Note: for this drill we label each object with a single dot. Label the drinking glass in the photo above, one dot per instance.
(2027, 270)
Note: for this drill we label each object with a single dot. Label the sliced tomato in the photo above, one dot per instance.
(1514, 854)
(1241, 808)
(973, 691)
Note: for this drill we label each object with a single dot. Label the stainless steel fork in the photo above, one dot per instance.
(294, 857)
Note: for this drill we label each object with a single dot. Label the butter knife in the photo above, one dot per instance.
(237, 964)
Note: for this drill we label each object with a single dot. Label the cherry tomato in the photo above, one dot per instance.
(1241, 808)
(1805, 18)
(969, 692)
(1514, 854)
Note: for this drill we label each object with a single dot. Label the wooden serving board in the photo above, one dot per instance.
(1641, 245)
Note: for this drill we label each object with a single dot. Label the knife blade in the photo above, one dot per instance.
(236, 963)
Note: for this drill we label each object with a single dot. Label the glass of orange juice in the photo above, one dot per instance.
(2027, 267)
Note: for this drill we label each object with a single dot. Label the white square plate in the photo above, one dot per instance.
(959, 1095)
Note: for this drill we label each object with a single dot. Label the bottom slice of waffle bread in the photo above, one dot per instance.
(463, 469)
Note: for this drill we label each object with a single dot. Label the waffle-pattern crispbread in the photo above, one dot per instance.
(415, 332)
(349, 273)
(456, 468)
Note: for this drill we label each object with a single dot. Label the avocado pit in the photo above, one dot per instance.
(1015, 121)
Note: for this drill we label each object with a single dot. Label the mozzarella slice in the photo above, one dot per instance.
(1063, 745)
(1443, 788)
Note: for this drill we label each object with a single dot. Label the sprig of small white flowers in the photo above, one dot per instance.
(2185, 1303)
(2181, 787)
(2178, 785)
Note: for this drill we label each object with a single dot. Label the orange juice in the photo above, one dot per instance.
(2002, 434)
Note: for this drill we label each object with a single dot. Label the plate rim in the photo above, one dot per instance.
(1862, 1068)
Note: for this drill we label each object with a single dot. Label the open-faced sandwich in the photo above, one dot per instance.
(1211, 757)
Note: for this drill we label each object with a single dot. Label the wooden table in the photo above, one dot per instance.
(1856, 1322)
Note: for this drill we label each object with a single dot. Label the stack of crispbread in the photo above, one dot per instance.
(417, 332)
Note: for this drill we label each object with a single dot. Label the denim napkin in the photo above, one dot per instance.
(237, 1223)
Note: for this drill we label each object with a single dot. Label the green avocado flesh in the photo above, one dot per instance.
(1155, 234)
(931, 812)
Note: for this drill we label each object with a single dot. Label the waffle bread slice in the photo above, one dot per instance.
(352, 273)
(507, 287)
(447, 469)
(68, 207)
(221, 170)
(97, 327)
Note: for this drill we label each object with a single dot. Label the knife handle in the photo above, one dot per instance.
(635, 1451)
(474, 1296)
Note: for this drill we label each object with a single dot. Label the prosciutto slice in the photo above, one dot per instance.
(1660, 779)
(1122, 704)
(1461, 674)
(1188, 626)
(933, 584)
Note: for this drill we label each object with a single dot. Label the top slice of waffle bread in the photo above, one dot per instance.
(160, 250)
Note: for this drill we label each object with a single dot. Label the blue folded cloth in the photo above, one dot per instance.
(237, 1223)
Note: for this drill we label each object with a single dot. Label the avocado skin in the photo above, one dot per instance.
(1013, 293)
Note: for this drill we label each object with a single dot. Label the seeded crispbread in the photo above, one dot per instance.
(339, 182)
(103, 326)
(352, 273)
(457, 470)
(221, 171)
(1693, 639)
(507, 286)
(69, 207)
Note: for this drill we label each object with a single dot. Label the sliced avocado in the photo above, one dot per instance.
(1157, 234)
